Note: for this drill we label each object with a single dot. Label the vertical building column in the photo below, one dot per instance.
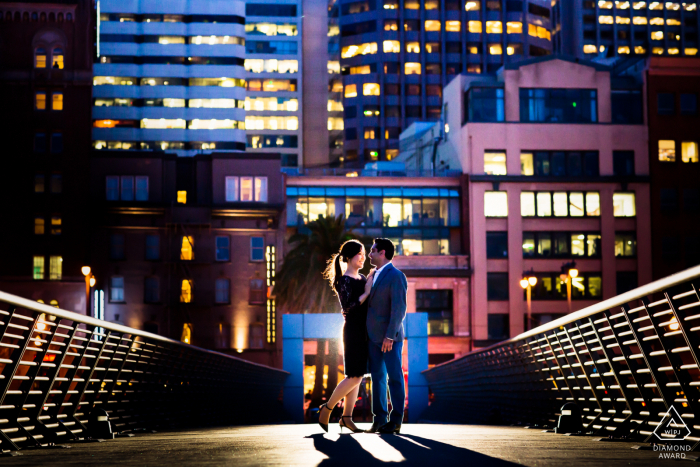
(314, 59)
(478, 256)
(411, 296)
(293, 362)
(515, 261)
(417, 347)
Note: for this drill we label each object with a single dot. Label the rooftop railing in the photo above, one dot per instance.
(624, 362)
(57, 367)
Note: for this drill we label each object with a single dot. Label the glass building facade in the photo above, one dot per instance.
(420, 221)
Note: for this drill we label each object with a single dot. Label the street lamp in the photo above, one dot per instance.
(568, 274)
(527, 283)
(90, 281)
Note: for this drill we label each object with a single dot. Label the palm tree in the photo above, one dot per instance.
(301, 288)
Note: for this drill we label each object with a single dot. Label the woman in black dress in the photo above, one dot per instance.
(352, 289)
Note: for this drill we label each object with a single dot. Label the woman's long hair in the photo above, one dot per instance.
(333, 272)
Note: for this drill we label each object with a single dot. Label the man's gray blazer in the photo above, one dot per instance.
(387, 306)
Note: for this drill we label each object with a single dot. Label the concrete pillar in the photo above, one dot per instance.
(293, 362)
(417, 335)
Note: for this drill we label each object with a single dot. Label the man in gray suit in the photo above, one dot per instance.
(385, 316)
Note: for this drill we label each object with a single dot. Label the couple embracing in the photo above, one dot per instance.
(374, 308)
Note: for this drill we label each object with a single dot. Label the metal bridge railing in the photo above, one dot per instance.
(57, 366)
(624, 362)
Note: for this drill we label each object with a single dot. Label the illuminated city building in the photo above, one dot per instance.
(588, 28)
(170, 77)
(555, 151)
(396, 57)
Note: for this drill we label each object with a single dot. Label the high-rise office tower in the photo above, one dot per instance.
(586, 28)
(170, 76)
(273, 71)
(397, 55)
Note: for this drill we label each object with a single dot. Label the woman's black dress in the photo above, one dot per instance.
(355, 356)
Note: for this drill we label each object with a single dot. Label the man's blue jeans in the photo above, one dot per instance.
(381, 365)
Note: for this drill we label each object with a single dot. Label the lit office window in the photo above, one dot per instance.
(56, 225)
(673, 51)
(57, 101)
(187, 248)
(55, 268)
(231, 189)
(527, 166)
(560, 202)
(40, 101)
(544, 203)
(640, 20)
(639, 50)
(624, 205)
(657, 35)
(495, 49)
(38, 268)
(496, 204)
(268, 103)
(360, 49)
(474, 26)
(495, 163)
(391, 47)
(589, 49)
(605, 19)
(261, 189)
(471, 5)
(453, 26)
(689, 151)
(592, 203)
(273, 66)
(255, 122)
(223, 248)
(411, 68)
(182, 197)
(274, 29)
(657, 50)
(622, 20)
(623, 50)
(40, 58)
(351, 90)
(624, 5)
(690, 6)
(432, 25)
(667, 150)
(246, 188)
(39, 226)
(514, 27)
(639, 5)
(186, 291)
(494, 27)
(691, 51)
(625, 244)
(336, 123)
(371, 89)
(605, 5)
(411, 47)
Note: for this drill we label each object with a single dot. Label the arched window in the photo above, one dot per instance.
(40, 58)
(25, 16)
(8, 16)
(54, 303)
(35, 16)
(57, 58)
(60, 17)
(42, 17)
(69, 17)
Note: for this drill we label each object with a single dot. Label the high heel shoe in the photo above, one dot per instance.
(342, 424)
(320, 410)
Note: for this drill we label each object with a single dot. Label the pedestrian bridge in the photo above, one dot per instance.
(625, 365)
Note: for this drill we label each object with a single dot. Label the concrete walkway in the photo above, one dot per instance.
(305, 445)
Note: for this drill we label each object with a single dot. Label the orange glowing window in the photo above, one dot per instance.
(106, 123)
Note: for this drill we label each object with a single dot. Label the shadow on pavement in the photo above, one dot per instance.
(369, 449)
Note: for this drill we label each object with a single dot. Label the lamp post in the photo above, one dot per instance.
(527, 283)
(568, 274)
(90, 281)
